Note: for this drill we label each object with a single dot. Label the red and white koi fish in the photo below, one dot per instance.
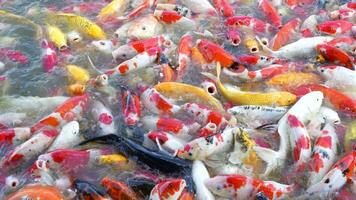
(224, 8)
(295, 3)
(304, 109)
(166, 142)
(204, 148)
(141, 60)
(168, 189)
(184, 53)
(208, 130)
(255, 24)
(144, 27)
(339, 100)
(105, 46)
(336, 177)
(182, 10)
(157, 103)
(69, 160)
(270, 12)
(302, 48)
(335, 55)
(257, 116)
(343, 43)
(342, 14)
(334, 27)
(179, 128)
(324, 152)
(130, 107)
(234, 37)
(200, 174)
(14, 136)
(339, 77)
(13, 55)
(30, 149)
(135, 47)
(237, 186)
(243, 73)
(203, 115)
(325, 116)
(213, 53)
(300, 141)
(49, 56)
(256, 60)
(199, 6)
(71, 109)
(174, 18)
(67, 138)
(104, 118)
(285, 34)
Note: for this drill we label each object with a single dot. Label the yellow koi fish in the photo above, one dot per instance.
(81, 24)
(115, 8)
(292, 80)
(8, 17)
(236, 96)
(189, 93)
(350, 136)
(57, 37)
(77, 74)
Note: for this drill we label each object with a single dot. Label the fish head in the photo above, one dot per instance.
(170, 189)
(329, 115)
(288, 99)
(225, 185)
(105, 46)
(233, 36)
(74, 37)
(332, 181)
(124, 52)
(193, 150)
(146, 27)
(71, 129)
(327, 71)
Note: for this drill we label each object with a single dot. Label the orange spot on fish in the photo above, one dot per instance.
(123, 68)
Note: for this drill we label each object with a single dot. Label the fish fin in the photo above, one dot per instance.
(218, 70)
(210, 76)
(271, 157)
(93, 66)
(215, 160)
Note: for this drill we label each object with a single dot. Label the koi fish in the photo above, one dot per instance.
(343, 43)
(77, 74)
(257, 116)
(200, 6)
(76, 89)
(67, 138)
(224, 8)
(244, 74)
(82, 25)
(256, 60)
(105, 46)
(214, 53)
(324, 152)
(118, 190)
(285, 34)
(251, 44)
(146, 4)
(324, 116)
(302, 48)
(131, 107)
(144, 28)
(334, 27)
(178, 127)
(180, 9)
(157, 103)
(251, 23)
(304, 109)
(335, 55)
(141, 60)
(335, 178)
(28, 150)
(184, 53)
(49, 56)
(200, 174)
(270, 12)
(135, 47)
(208, 130)
(300, 141)
(74, 37)
(104, 117)
(168, 189)
(173, 18)
(234, 37)
(251, 98)
(339, 100)
(14, 136)
(37, 191)
(13, 55)
(56, 36)
(244, 187)
(209, 87)
(113, 9)
(339, 77)
(70, 110)
(203, 115)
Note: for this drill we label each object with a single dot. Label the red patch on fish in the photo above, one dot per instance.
(7, 135)
(236, 181)
(302, 143)
(215, 118)
(161, 103)
(169, 124)
(170, 17)
(294, 122)
(324, 142)
(169, 188)
(317, 163)
(123, 68)
(105, 118)
(251, 74)
(16, 157)
(50, 133)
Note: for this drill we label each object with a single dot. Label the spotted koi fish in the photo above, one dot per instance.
(157, 103)
(168, 189)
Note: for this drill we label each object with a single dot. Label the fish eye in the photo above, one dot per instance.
(254, 49)
(123, 55)
(327, 181)
(143, 28)
(322, 71)
(116, 35)
(102, 43)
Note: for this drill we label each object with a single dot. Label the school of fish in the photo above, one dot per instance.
(177, 99)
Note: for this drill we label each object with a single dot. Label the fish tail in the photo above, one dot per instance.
(271, 157)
